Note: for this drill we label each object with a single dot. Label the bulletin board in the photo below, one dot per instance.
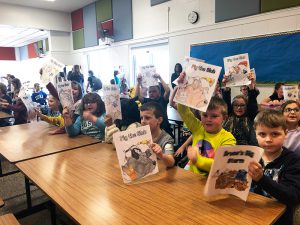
(275, 57)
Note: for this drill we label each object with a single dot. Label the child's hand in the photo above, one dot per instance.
(255, 171)
(157, 150)
(180, 150)
(157, 76)
(108, 120)
(87, 115)
(37, 111)
(66, 112)
(192, 153)
(181, 78)
(224, 80)
(139, 79)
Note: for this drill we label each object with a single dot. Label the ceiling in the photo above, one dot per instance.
(16, 36)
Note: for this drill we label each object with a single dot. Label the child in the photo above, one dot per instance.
(291, 112)
(242, 112)
(5, 98)
(38, 95)
(91, 119)
(208, 134)
(278, 173)
(277, 98)
(152, 115)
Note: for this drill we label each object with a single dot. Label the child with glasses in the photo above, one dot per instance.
(241, 113)
(291, 112)
(91, 119)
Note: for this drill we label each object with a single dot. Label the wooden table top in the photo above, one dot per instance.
(87, 184)
(4, 115)
(8, 219)
(31, 140)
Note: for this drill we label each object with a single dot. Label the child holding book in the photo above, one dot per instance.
(91, 119)
(208, 133)
(152, 115)
(278, 173)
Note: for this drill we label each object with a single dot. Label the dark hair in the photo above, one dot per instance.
(180, 67)
(283, 106)
(153, 106)
(270, 118)
(130, 113)
(277, 86)
(75, 83)
(91, 73)
(112, 81)
(93, 98)
(17, 82)
(116, 72)
(3, 88)
(240, 97)
(218, 103)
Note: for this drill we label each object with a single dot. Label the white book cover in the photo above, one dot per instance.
(25, 95)
(111, 95)
(50, 69)
(229, 172)
(290, 92)
(136, 159)
(237, 68)
(199, 85)
(148, 78)
(65, 95)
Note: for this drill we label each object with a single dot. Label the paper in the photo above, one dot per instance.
(229, 172)
(50, 69)
(198, 86)
(290, 92)
(112, 101)
(136, 159)
(148, 78)
(64, 90)
(25, 96)
(237, 69)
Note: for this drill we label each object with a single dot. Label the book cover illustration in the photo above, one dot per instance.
(136, 159)
(237, 68)
(25, 96)
(64, 90)
(111, 95)
(290, 92)
(148, 78)
(50, 69)
(229, 172)
(198, 86)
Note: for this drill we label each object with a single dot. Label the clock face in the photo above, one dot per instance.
(193, 17)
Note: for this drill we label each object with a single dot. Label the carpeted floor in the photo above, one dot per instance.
(12, 191)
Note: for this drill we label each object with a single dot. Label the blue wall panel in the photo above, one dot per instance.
(90, 26)
(23, 52)
(122, 16)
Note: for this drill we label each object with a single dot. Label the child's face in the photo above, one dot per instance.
(53, 103)
(154, 92)
(91, 107)
(280, 91)
(37, 88)
(292, 113)
(75, 92)
(212, 120)
(148, 118)
(270, 139)
(239, 107)
(244, 90)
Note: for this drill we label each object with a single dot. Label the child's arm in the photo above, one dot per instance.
(287, 191)
(74, 129)
(172, 103)
(98, 121)
(168, 159)
(165, 86)
(184, 145)
(192, 123)
(138, 88)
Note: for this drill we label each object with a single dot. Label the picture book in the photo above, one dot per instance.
(136, 159)
(111, 95)
(229, 172)
(64, 90)
(237, 68)
(25, 96)
(290, 92)
(50, 69)
(198, 86)
(148, 78)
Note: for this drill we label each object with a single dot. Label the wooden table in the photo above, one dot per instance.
(4, 115)
(8, 219)
(1, 202)
(31, 140)
(87, 184)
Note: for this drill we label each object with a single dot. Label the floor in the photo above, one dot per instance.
(12, 191)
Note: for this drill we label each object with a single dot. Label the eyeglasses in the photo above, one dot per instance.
(239, 106)
(289, 110)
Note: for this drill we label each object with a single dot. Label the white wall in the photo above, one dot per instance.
(28, 17)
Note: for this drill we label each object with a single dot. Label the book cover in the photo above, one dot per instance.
(136, 159)
(237, 68)
(290, 92)
(148, 78)
(50, 69)
(229, 172)
(64, 90)
(111, 95)
(198, 86)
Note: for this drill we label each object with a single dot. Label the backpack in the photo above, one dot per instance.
(97, 84)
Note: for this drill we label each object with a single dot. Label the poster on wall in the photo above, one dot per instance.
(112, 101)
(50, 69)
(198, 86)
(136, 158)
(229, 172)
(290, 92)
(237, 69)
